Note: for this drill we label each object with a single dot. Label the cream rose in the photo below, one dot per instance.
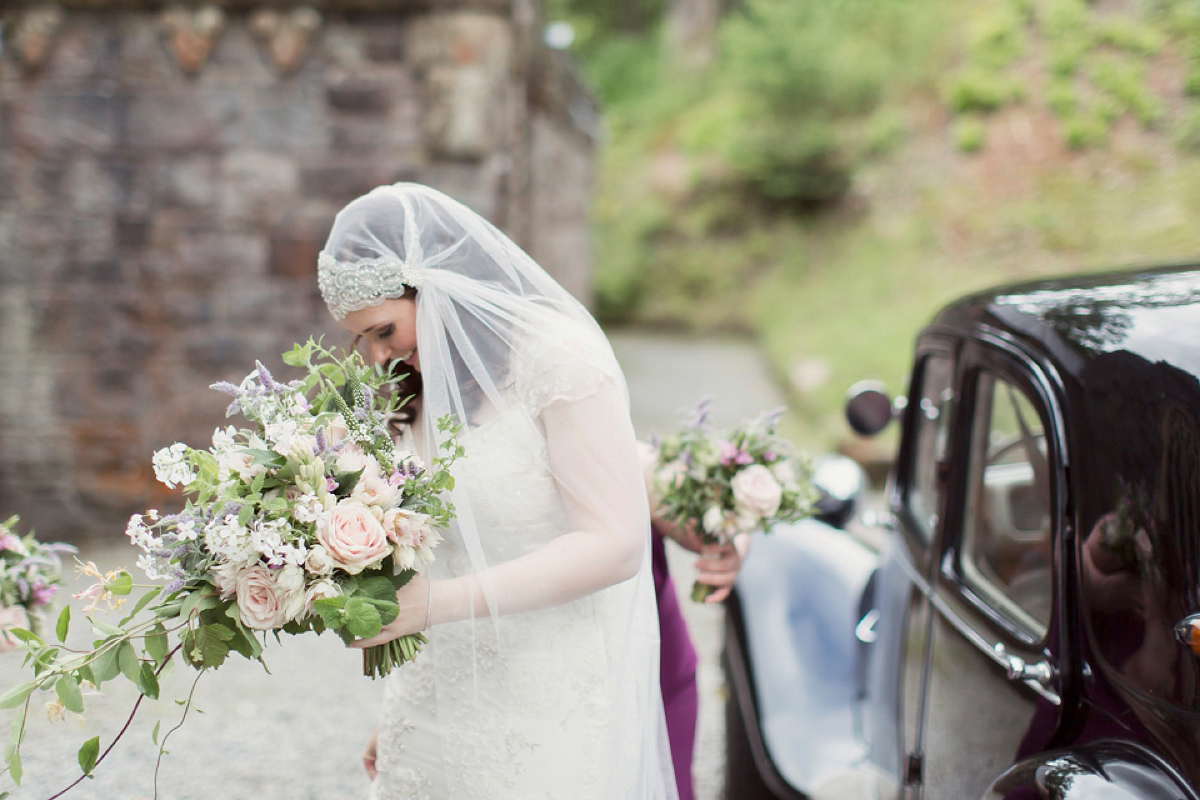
(756, 490)
(11, 617)
(259, 600)
(319, 590)
(353, 536)
(318, 561)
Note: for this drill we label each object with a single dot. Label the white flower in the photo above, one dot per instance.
(412, 536)
(156, 569)
(224, 439)
(186, 531)
(785, 474)
(140, 534)
(756, 491)
(670, 476)
(229, 541)
(724, 525)
(307, 506)
(319, 590)
(374, 490)
(290, 583)
(171, 466)
(713, 520)
(319, 562)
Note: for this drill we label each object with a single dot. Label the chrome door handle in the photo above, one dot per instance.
(864, 631)
(1017, 669)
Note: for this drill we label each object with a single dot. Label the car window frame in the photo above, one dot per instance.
(920, 547)
(1009, 364)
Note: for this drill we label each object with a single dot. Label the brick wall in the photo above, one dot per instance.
(167, 177)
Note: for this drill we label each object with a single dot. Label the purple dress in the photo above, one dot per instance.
(677, 671)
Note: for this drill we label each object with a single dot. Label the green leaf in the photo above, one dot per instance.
(346, 481)
(332, 611)
(25, 635)
(362, 618)
(14, 767)
(105, 667)
(378, 587)
(88, 754)
(102, 628)
(120, 585)
(128, 661)
(142, 602)
(16, 695)
(245, 515)
(201, 599)
(147, 681)
(263, 457)
(67, 689)
(154, 733)
(209, 646)
(63, 626)
(156, 643)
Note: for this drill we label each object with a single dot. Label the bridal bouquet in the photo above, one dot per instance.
(30, 576)
(309, 519)
(722, 483)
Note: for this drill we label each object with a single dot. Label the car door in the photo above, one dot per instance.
(989, 681)
(898, 661)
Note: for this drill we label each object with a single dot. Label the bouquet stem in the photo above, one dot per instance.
(379, 660)
(701, 591)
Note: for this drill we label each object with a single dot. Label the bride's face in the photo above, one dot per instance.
(389, 331)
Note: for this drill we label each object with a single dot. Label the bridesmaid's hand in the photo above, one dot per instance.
(684, 535)
(413, 598)
(369, 755)
(719, 564)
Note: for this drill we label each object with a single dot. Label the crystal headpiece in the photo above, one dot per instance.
(348, 287)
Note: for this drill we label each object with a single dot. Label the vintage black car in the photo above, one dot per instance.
(1026, 622)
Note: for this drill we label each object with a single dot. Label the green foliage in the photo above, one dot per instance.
(1125, 82)
(980, 90)
(969, 134)
(1085, 131)
(1187, 130)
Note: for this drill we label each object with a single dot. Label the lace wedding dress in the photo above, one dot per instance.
(555, 706)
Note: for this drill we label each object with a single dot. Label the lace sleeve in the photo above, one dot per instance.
(571, 369)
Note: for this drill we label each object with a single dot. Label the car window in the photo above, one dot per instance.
(931, 434)
(1006, 542)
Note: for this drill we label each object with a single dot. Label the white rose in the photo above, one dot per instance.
(259, 600)
(756, 490)
(290, 582)
(353, 536)
(320, 590)
(336, 430)
(319, 562)
(713, 520)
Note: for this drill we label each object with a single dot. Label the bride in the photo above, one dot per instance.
(540, 678)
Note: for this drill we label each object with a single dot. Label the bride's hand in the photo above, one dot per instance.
(369, 755)
(413, 598)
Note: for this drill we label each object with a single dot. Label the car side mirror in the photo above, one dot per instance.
(868, 408)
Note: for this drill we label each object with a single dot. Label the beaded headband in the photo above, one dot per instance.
(349, 287)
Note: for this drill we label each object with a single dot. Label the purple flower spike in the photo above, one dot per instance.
(43, 594)
(227, 387)
(268, 382)
(321, 443)
(701, 418)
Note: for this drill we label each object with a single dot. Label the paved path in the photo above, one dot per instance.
(298, 734)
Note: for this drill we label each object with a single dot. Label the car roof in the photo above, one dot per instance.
(1149, 312)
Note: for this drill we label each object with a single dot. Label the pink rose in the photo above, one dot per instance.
(353, 536)
(756, 490)
(11, 617)
(259, 599)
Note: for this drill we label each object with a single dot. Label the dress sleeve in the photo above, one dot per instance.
(581, 405)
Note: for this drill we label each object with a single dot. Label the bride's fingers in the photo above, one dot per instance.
(719, 595)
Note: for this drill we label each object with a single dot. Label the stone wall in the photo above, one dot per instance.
(168, 174)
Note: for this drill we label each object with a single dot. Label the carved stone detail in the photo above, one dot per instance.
(191, 34)
(286, 35)
(35, 33)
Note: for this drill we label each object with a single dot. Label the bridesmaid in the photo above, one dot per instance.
(718, 566)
